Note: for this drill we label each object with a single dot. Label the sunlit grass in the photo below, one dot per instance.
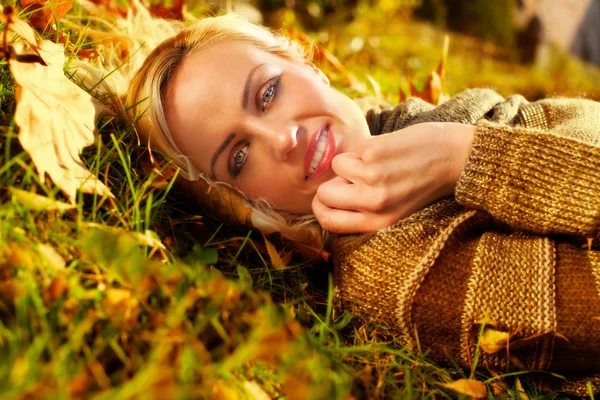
(93, 305)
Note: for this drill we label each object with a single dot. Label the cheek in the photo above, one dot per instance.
(279, 189)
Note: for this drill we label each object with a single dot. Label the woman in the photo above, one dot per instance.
(484, 202)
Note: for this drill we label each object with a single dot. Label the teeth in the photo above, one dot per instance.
(320, 147)
(318, 152)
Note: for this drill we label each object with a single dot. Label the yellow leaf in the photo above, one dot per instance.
(492, 340)
(35, 202)
(9, 18)
(520, 390)
(469, 387)
(56, 119)
(52, 256)
(223, 391)
(276, 260)
(256, 392)
(148, 238)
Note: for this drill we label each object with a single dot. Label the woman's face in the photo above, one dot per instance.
(264, 124)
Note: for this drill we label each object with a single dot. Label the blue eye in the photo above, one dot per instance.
(239, 159)
(267, 96)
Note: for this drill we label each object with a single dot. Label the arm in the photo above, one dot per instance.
(541, 175)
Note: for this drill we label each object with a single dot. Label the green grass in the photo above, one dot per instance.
(88, 309)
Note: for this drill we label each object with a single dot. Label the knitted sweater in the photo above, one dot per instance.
(506, 250)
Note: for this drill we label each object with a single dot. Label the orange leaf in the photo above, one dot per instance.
(161, 11)
(45, 13)
(276, 259)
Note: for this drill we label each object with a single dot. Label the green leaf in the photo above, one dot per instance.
(245, 277)
(204, 255)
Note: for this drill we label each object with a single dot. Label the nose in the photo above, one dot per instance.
(280, 137)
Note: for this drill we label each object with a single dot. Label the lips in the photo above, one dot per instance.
(321, 150)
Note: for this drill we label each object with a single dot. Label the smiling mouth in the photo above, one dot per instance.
(319, 151)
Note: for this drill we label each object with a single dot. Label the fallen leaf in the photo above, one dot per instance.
(11, 290)
(45, 13)
(256, 392)
(120, 306)
(52, 256)
(433, 90)
(204, 255)
(158, 9)
(223, 391)
(148, 238)
(55, 290)
(469, 387)
(276, 260)
(56, 119)
(8, 17)
(520, 390)
(35, 202)
(492, 340)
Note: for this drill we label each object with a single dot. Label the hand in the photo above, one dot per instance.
(385, 178)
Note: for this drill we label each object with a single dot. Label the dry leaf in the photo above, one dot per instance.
(161, 11)
(276, 260)
(222, 391)
(520, 390)
(492, 340)
(433, 90)
(35, 202)
(8, 16)
(52, 256)
(469, 387)
(45, 13)
(120, 306)
(256, 392)
(55, 290)
(56, 119)
(148, 238)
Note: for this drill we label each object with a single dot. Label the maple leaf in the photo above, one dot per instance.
(45, 13)
(56, 118)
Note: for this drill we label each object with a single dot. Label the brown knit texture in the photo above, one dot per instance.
(506, 249)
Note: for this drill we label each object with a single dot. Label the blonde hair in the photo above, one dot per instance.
(144, 100)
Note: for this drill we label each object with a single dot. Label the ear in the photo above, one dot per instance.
(319, 73)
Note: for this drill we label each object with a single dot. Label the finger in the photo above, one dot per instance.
(348, 166)
(340, 193)
(339, 221)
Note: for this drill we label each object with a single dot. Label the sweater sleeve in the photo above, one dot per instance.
(542, 174)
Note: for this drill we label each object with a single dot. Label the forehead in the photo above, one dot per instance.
(213, 73)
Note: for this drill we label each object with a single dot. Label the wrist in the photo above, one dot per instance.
(461, 138)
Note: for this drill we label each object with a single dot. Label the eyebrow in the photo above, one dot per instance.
(246, 93)
(231, 136)
(215, 156)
